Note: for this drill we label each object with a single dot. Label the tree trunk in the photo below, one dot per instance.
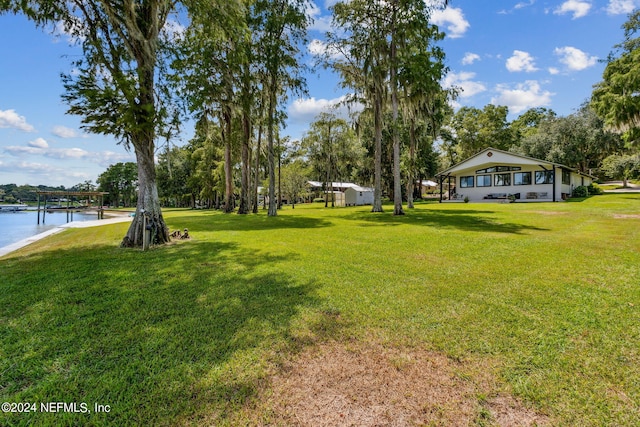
(377, 174)
(228, 167)
(273, 211)
(397, 180)
(257, 172)
(279, 174)
(148, 205)
(412, 159)
(244, 190)
(143, 141)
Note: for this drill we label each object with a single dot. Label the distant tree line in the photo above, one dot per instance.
(12, 193)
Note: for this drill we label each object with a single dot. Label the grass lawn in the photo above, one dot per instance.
(545, 296)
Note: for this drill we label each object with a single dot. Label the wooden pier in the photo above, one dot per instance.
(68, 196)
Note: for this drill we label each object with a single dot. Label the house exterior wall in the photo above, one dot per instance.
(497, 181)
(576, 180)
(355, 197)
(496, 174)
(338, 195)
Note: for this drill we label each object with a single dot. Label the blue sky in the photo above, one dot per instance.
(522, 54)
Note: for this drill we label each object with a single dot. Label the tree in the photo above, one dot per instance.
(210, 63)
(616, 99)
(623, 167)
(174, 172)
(528, 122)
(425, 103)
(294, 180)
(578, 140)
(358, 51)
(121, 182)
(376, 40)
(332, 150)
(475, 129)
(282, 27)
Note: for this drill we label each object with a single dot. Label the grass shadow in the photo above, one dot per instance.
(209, 221)
(467, 220)
(159, 336)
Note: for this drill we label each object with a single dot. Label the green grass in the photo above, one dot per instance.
(187, 333)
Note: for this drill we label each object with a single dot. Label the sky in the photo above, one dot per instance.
(522, 54)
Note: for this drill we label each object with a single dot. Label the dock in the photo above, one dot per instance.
(70, 197)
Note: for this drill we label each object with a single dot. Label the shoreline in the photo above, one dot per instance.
(117, 218)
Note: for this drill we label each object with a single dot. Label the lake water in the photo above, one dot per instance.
(15, 226)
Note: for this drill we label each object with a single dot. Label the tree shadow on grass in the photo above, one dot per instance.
(233, 222)
(161, 337)
(467, 220)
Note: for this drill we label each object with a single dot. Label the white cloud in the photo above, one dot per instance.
(521, 61)
(578, 8)
(453, 19)
(320, 22)
(470, 58)
(553, 71)
(173, 29)
(19, 150)
(11, 119)
(574, 58)
(518, 6)
(40, 147)
(307, 109)
(67, 153)
(319, 48)
(107, 158)
(621, 7)
(523, 4)
(38, 143)
(73, 29)
(65, 132)
(524, 96)
(40, 172)
(464, 81)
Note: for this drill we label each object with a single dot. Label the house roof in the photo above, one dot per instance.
(363, 189)
(334, 184)
(492, 155)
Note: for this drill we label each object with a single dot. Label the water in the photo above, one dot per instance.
(15, 226)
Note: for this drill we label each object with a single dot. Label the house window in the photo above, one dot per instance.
(498, 169)
(486, 170)
(566, 177)
(483, 180)
(522, 178)
(466, 181)
(502, 179)
(544, 177)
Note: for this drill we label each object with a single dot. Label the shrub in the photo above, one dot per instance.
(580, 191)
(594, 189)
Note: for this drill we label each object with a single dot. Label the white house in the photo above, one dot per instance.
(495, 174)
(358, 196)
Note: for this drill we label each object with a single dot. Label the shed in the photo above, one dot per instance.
(358, 196)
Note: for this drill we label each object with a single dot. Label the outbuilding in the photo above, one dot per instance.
(500, 175)
(358, 196)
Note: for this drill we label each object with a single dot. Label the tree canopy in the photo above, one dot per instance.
(617, 98)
